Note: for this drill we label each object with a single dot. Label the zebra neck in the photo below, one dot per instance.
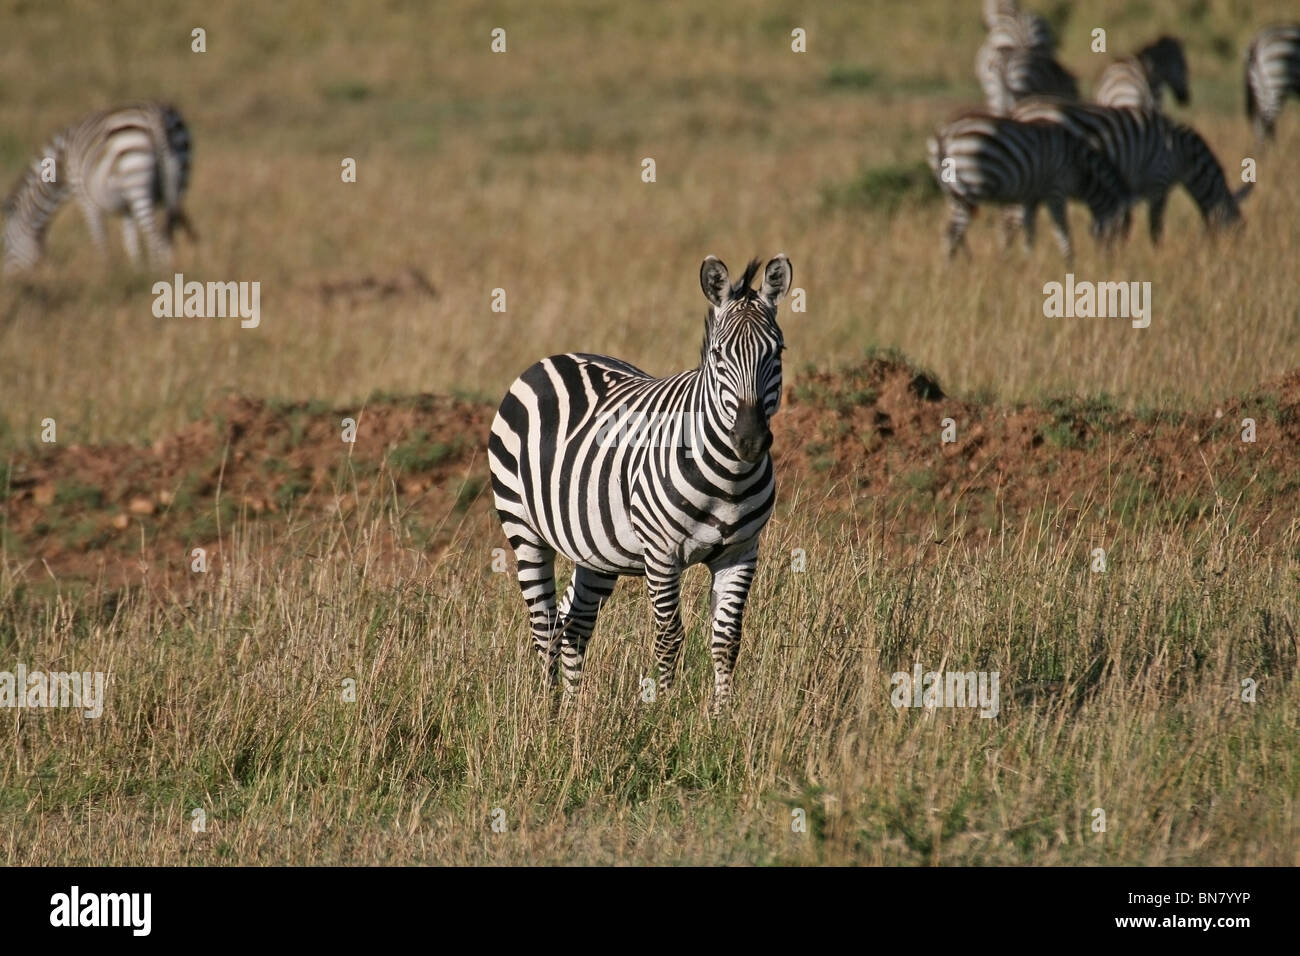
(1201, 173)
(34, 201)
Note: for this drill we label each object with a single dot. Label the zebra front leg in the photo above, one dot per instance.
(1061, 226)
(1029, 220)
(95, 224)
(588, 590)
(663, 581)
(731, 583)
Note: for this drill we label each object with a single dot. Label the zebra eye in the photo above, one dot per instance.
(717, 355)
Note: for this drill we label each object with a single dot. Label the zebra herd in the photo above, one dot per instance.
(568, 475)
(1036, 144)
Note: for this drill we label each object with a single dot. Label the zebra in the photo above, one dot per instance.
(1137, 81)
(1272, 73)
(979, 157)
(1009, 26)
(698, 492)
(1152, 154)
(119, 161)
(1016, 59)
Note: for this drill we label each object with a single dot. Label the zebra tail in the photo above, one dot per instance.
(1252, 107)
(175, 166)
(176, 217)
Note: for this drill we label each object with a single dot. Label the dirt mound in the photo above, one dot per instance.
(84, 511)
(883, 431)
(888, 430)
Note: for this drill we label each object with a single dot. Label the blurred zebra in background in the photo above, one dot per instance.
(979, 158)
(1272, 74)
(118, 162)
(1137, 81)
(1151, 153)
(1015, 61)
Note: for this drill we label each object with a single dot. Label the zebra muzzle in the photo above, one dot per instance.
(750, 435)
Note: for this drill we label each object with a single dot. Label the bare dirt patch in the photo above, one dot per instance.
(81, 511)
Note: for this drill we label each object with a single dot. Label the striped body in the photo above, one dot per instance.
(117, 163)
(1272, 74)
(1137, 82)
(980, 158)
(627, 474)
(1152, 154)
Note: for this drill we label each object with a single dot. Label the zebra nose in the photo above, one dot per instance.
(750, 435)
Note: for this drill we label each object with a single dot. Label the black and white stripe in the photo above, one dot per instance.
(1151, 152)
(1272, 74)
(119, 162)
(1137, 82)
(981, 158)
(1015, 61)
(689, 482)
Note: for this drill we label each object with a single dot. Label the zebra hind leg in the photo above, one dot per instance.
(587, 592)
(954, 235)
(1061, 226)
(159, 246)
(131, 239)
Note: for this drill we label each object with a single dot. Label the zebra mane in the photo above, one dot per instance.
(741, 287)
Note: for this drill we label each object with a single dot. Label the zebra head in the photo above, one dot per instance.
(1164, 61)
(740, 362)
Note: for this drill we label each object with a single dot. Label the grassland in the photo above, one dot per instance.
(1122, 690)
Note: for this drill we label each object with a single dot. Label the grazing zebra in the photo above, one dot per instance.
(1136, 82)
(1152, 154)
(626, 474)
(981, 158)
(121, 162)
(1272, 73)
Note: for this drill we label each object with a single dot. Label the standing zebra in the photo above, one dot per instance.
(1152, 154)
(118, 162)
(980, 158)
(694, 487)
(1137, 81)
(1272, 73)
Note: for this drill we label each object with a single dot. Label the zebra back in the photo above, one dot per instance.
(1124, 84)
(1028, 72)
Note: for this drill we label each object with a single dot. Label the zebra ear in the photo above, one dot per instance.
(714, 280)
(777, 276)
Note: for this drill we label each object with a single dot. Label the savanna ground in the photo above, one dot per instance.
(1121, 690)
